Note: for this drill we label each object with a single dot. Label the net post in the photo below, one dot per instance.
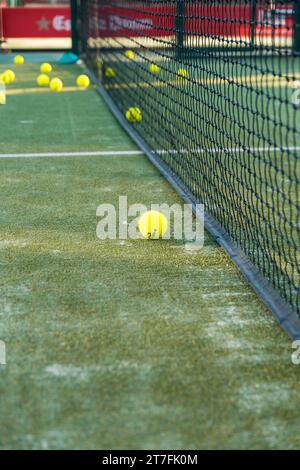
(253, 22)
(297, 28)
(179, 26)
(74, 22)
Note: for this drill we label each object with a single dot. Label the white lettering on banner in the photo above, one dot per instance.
(102, 24)
(61, 23)
(117, 23)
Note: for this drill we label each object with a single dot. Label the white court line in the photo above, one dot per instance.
(71, 154)
(159, 152)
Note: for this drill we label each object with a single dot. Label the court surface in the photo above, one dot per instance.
(130, 344)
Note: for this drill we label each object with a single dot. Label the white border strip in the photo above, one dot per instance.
(72, 154)
(117, 153)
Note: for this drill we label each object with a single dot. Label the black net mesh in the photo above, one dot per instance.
(214, 88)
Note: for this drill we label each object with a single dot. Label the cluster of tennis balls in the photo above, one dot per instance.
(56, 84)
(44, 79)
(152, 224)
(9, 76)
(153, 68)
(134, 114)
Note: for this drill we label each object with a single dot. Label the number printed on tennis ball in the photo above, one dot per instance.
(153, 225)
(19, 60)
(129, 54)
(43, 80)
(153, 68)
(56, 84)
(46, 68)
(133, 115)
(83, 81)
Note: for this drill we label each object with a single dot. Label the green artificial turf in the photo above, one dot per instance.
(121, 344)
(225, 104)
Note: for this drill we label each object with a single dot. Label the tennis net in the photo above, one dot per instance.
(218, 87)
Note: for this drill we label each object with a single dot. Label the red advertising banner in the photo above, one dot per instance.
(218, 20)
(151, 21)
(142, 21)
(37, 22)
(159, 20)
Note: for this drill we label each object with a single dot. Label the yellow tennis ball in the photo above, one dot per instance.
(110, 73)
(182, 73)
(46, 68)
(133, 115)
(129, 54)
(10, 75)
(5, 78)
(153, 68)
(19, 60)
(56, 84)
(153, 225)
(83, 81)
(43, 80)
